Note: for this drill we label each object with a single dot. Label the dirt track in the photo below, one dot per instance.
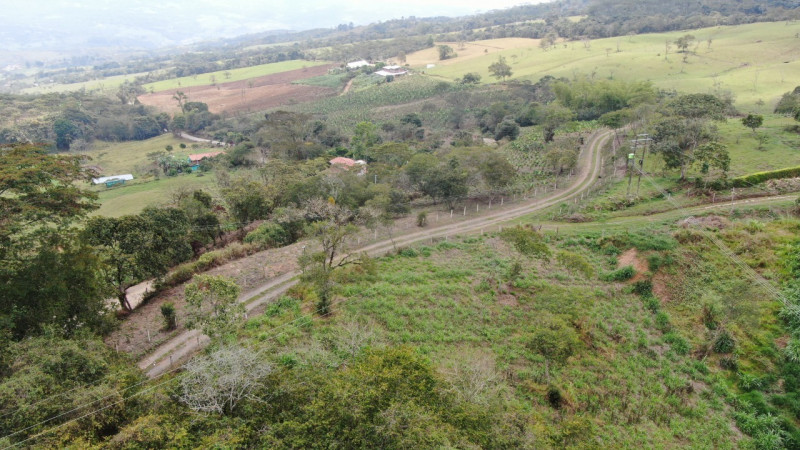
(256, 94)
(166, 357)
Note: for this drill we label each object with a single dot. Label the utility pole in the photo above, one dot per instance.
(642, 138)
(630, 164)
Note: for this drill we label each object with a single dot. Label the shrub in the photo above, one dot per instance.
(652, 304)
(268, 235)
(622, 274)
(422, 219)
(575, 262)
(643, 288)
(724, 342)
(760, 177)
(662, 322)
(408, 252)
(169, 315)
(678, 343)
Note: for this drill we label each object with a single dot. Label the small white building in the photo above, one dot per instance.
(113, 179)
(358, 64)
(394, 71)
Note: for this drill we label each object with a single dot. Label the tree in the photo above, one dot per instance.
(181, 98)
(500, 69)
(497, 172)
(37, 196)
(365, 136)
(136, 247)
(213, 305)
(554, 116)
(446, 52)
(684, 42)
(753, 121)
(66, 131)
(331, 229)
(218, 382)
(40, 258)
(471, 78)
(248, 200)
(713, 155)
(555, 340)
(506, 128)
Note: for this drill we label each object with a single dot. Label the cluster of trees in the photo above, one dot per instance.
(75, 119)
(789, 104)
(684, 134)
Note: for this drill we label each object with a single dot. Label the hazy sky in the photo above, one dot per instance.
(31, 23)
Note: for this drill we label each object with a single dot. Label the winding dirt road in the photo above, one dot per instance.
(165, 357)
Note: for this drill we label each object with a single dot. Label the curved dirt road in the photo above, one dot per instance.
(165, 357)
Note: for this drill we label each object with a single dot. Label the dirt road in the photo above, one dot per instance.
(182, 346)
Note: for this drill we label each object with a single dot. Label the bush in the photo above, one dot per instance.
(506, 128)
(268, 235)
(169, 315)
(422, 219)
(760, 177)
(724, 342)
(575, 262)
(643, 288)
(662, 322)
(622, 274)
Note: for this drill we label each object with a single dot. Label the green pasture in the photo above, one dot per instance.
(133, 197)
(104, 85)
(225, 76)
(757, 62)
(129, 156)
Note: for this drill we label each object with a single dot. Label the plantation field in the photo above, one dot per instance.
(133, 197)
(381, 102)
(225, 76)
(250, 95)
(757, 62)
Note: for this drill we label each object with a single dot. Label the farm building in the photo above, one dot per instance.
(196, 159)
(358, 64)
(394, 71)
(113, 179)
(341, 162)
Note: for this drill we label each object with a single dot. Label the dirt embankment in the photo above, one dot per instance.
(255, 94)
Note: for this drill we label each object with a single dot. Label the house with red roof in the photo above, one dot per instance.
(197, 158)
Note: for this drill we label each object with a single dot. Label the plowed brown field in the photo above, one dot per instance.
(255, 94)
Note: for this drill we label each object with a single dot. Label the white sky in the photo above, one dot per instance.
(228, 17)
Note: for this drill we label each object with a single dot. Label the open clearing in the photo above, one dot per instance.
(470, 50)
(759, 62)
(253, 94)
(133, 198)
(226, 76)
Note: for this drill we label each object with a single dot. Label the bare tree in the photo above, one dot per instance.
(218, 382)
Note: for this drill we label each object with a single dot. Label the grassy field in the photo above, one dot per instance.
(233, 75)
(127, 157)
(758, 62)
(105, 85)
(134, 197)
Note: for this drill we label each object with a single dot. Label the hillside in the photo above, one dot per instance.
(756, 62)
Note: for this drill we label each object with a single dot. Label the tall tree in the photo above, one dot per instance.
(136, 247)
(213, 305)
(500, 69)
